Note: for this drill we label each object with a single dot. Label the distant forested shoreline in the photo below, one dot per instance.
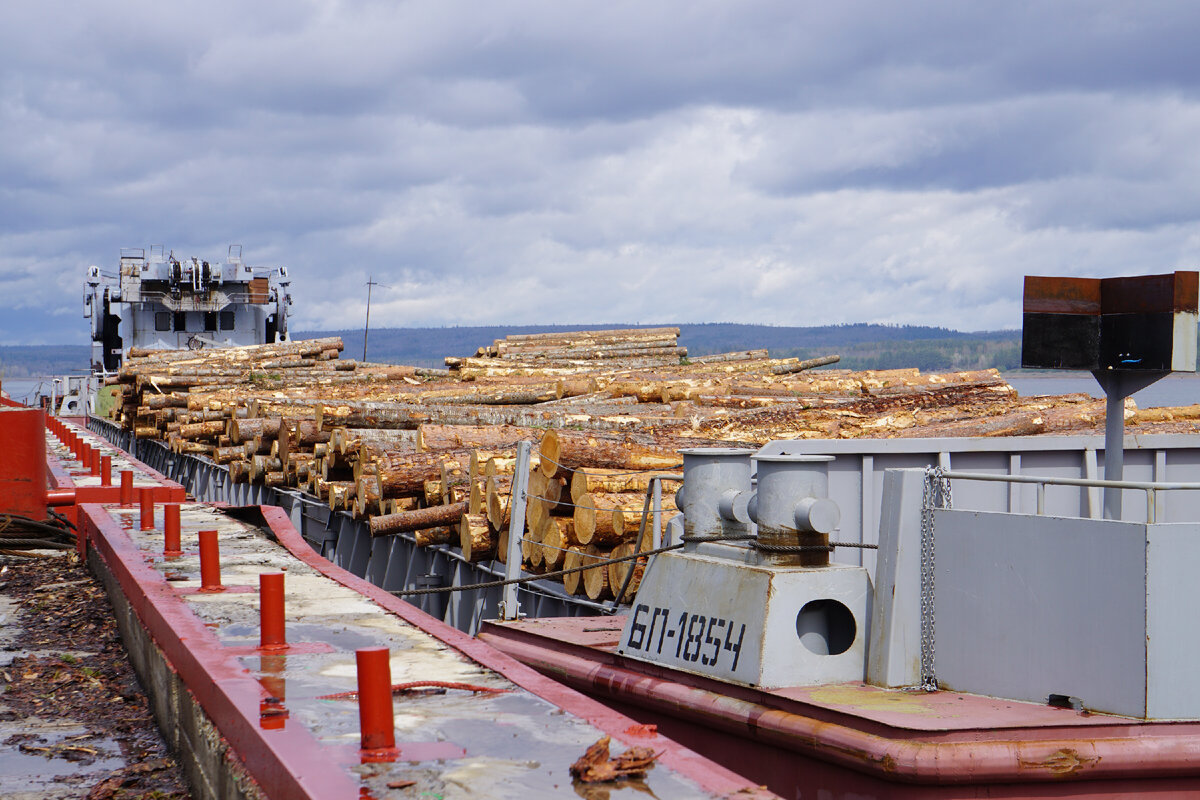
(861, 345)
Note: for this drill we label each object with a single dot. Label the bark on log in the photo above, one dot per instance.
(241, 430)
(437, 516)
(588, 480)
(808, 363)
(428, 537)
(564, 450)
(400, 473)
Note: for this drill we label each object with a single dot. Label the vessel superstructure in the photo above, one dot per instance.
(157, 300)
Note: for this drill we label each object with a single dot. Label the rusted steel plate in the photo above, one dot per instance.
(1149, 294)
(1049, 295)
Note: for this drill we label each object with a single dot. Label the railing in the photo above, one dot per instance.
(1151, 488)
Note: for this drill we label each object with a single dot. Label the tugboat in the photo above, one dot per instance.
(175, 303)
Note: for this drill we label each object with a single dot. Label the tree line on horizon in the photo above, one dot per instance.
(861, 345)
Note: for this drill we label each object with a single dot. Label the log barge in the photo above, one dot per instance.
(586, 440)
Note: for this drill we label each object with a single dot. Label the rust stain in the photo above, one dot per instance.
(875, 700)
(1062, 763)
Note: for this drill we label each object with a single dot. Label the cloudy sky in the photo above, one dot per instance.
(563, 162)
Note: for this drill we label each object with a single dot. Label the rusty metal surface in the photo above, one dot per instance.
(905, 711)
(945, 743)
(1052, 295)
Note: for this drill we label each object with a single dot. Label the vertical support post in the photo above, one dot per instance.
(106, 470)
(171, 546)
(272, 633)
(509, 608)
(376, 720)
(126, 487)
(1114, 446)
(1117, 385)
(656, 531)
(95, 465)
(210, 563)
(146, 497)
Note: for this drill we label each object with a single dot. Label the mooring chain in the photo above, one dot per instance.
(936, 494)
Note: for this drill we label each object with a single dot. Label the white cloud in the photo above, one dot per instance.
(534, 162)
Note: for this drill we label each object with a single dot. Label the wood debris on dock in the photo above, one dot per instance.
(431, 452)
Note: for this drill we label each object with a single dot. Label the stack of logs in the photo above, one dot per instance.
(431, 453)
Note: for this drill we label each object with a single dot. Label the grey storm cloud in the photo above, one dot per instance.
(568, 162)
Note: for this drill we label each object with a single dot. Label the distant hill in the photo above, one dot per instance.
(19, 361)
(861, 345)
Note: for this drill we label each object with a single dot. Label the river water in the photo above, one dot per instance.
(1178, 389)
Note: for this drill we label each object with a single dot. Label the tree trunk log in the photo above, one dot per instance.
(599, 518)
(436, 516)
(475, 538)
(618, 571)
(595, 581)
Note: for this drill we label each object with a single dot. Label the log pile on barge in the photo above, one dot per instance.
(431, 452)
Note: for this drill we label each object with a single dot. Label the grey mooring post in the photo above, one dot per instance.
(509, 609)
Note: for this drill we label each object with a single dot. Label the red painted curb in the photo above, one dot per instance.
(287, 763)
(710, 776)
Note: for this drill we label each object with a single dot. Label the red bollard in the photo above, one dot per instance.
(146, 496)
(376, 723)
(85, 455)
(126, 487)
(106, 470)
(272, 635)
(171, 545)
(210, 563)
(95, 461)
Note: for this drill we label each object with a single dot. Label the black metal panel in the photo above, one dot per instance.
(1137, 341)
(1061, 341)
